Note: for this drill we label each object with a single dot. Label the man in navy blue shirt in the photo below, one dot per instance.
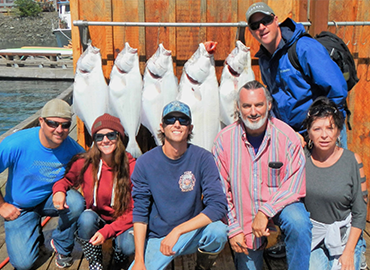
(178, 198)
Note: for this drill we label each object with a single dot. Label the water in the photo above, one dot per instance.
(19, 99)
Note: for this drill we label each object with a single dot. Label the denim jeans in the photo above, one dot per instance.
(295, 223)
(23, 235)
(321, 259)
(252, 261)
(211, 238)
(90, 222)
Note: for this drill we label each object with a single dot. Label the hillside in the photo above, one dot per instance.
(18, 32)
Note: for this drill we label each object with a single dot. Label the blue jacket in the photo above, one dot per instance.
(292, 91)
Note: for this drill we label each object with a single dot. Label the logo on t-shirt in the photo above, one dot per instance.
(187, 181)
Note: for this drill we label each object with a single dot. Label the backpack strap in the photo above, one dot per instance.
(292, 53)
(293, 57)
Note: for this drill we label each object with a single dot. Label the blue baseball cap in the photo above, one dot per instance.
(176, 106)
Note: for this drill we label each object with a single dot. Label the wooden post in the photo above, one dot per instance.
(319, 11)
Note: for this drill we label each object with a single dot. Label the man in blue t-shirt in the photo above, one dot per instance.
(36, 158)
(170, 216)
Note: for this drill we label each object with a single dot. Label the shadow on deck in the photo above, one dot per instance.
(186, 262)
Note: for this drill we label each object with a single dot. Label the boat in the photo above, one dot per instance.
(63, 32)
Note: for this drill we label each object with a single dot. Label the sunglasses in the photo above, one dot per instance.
(98, 137)
(322, 111)
(170, 120)
(267, 20)
(55, 124)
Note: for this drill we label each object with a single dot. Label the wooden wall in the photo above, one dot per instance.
(184, 41)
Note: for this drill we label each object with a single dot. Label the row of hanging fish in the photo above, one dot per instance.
(136, 100)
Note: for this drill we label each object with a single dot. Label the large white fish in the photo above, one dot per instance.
(160, 88)
(90, 90)
(198, 88)
(237, 71)
(125, 88)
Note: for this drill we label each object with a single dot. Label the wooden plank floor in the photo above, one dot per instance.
(187, 262)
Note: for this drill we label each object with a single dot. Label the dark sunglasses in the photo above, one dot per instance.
(267, 20)
(55, 124)
(170, 120)
(98, 137)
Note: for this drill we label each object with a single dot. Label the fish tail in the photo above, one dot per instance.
(133, 148)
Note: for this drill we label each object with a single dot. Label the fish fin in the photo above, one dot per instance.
(197, 94)
(133, 148)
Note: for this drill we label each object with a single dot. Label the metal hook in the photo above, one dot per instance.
(362, 29)
(158, 33)
(240, 32)
(335, 24)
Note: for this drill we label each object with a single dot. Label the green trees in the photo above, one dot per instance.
(27, 8)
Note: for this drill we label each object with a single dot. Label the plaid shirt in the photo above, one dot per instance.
(248, 181)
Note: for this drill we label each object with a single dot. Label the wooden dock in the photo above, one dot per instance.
(37, 63)
(187, 262)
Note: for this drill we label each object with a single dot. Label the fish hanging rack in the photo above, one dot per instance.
(85, 38)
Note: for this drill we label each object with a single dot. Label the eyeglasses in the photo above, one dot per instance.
(267, 20)
(98, 137)
(170, 120)
(55, 124)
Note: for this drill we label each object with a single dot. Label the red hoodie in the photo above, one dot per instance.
(104, 195)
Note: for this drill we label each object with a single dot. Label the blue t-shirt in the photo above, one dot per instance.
(169, 192)
(256, 141)
(33, 168)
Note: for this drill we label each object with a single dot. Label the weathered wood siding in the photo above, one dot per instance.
(184, 41)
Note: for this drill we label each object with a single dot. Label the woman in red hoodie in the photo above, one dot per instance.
(103, 174)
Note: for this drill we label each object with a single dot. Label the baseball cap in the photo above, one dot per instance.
(259, 7)
(176, 106)
(56, 108)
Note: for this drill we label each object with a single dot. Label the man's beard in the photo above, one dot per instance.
(255, 125)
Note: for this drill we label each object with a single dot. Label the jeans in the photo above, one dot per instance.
(90, 222)
(23, 235)
(252, 261)
(295, 223)
(321, 259)
(211, 238)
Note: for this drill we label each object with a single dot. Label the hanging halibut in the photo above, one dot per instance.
(160, 88)
(199, 89)
(90, 90)
(125, 95)
(237, 71)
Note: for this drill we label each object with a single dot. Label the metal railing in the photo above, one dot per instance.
(191, 24)
(164, 24)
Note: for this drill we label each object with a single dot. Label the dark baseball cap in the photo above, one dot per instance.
(259, 7)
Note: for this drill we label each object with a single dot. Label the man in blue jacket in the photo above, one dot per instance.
(293, 91)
